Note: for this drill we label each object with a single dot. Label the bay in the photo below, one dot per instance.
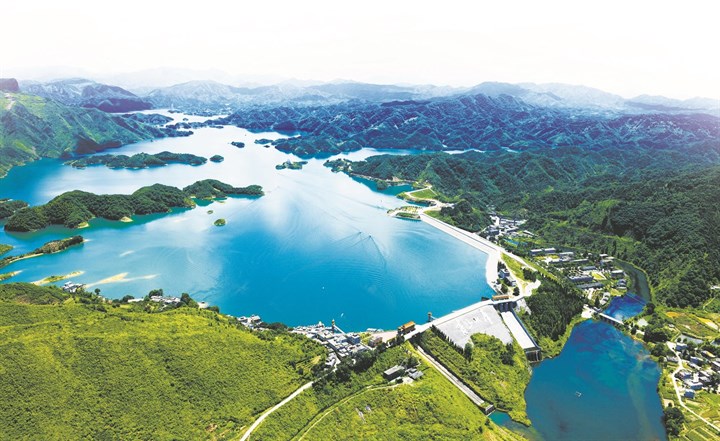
(317, 246)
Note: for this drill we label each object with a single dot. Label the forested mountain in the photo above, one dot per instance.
(471, 122)
(657, 209)
(86, 93)
(32, 127)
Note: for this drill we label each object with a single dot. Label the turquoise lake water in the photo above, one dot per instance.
(614, 376)
(317, 246)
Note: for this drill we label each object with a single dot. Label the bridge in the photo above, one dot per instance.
(612, 320)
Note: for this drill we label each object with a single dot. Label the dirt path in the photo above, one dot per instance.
(273, 409)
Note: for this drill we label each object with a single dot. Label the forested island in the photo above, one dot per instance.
(54, 246)
(138, 160)
(75, 208)
(291, 165)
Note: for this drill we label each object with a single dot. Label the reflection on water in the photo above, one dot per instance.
(317, 246)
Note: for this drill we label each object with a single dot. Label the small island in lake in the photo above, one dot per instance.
(217, 158)
(291, 165)
(138, 160)
(54, 246)
(238, 144)
(74, 209)
(263, 141)
(220, 222)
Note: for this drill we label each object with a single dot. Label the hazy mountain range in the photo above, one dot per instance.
(126, 92)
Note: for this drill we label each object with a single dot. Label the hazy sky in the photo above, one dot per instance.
(627, 47)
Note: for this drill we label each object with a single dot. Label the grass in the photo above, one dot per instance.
(72, 372)
(696, 323)
(430, 408)
(500, 384)
(5, 248)
(425, 193)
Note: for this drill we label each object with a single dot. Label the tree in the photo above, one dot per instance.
(650, 308)
(467, 352)
(507, 356)
(673, 420)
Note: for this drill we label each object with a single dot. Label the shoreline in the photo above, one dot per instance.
(492, 251)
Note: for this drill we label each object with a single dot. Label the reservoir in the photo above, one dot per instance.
(317, 246)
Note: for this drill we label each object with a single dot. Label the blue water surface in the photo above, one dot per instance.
(317, 246)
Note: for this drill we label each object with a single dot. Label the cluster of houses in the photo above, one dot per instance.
(252, 322)
(588, 273)
(338, 344)
(699, 372)
(72, 287)
(398, 371)
(166, 300)
(505, 227)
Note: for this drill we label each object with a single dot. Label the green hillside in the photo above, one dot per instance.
(32, 127)
(73, 368)
(656, 209)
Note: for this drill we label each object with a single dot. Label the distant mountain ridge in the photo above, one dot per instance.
(32, 127)
(471, 122)
(80, 92)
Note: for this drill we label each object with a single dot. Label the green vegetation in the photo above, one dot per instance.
(77, 368)
(657, 209)
(54, 246)
(5, 248)
(9, 207)
(554, 305)
(220, 222)
(290, 165)
(74, 208)
(217, 158)
(34, 127)
(138, 160)
(214, 189)
(430, 408)
(498, 373)
(673, 420)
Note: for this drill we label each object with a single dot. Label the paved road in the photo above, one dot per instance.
(262, 417)
(475, 398)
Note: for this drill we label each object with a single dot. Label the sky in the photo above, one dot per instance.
(625, 47)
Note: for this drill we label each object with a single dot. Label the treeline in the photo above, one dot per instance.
(659, 209)
(74, 208)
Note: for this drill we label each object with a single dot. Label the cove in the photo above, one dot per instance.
(317, 246)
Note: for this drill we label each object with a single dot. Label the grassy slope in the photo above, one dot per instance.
(70, 372)
(501, 384)
(35, 127)
(430, 408)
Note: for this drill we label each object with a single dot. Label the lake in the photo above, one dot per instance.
(317, 246)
